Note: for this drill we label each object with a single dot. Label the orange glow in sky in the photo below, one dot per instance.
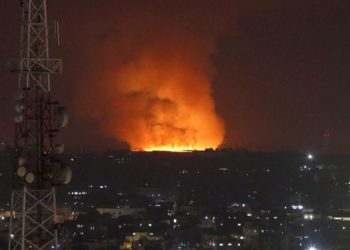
(164, 105)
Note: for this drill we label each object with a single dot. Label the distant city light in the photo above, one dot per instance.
(312, 248)
(310, 156)
(297, 207)
(308, 217)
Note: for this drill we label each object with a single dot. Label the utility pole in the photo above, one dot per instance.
(37, 169)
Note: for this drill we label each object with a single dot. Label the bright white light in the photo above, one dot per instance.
(312, 248)
(308, 217)
(310, 156)
(299, 207)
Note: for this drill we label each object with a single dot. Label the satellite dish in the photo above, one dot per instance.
(29, 178)
(59, 148)
(21, 171)
(19, 107)
(66, 174)
(21, 161)
(61, 117)
(19, 118)
(63, 175)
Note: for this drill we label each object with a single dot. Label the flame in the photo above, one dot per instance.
(174, 148)
(165, 105)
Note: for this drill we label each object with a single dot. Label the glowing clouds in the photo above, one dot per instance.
(164, 103)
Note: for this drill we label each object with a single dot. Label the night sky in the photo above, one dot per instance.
(279, 70)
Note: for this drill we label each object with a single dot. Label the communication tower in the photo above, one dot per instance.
(37, 170)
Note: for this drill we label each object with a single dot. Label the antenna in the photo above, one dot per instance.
(37, 169)
(57, 33)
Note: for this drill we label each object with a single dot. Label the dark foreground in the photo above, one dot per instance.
(230, 199)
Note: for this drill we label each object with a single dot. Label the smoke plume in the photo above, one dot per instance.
(153, 73)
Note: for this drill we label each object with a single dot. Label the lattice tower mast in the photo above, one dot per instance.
(37, 169)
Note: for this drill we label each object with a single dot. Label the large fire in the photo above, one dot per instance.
(150, 85)
(166, 105)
